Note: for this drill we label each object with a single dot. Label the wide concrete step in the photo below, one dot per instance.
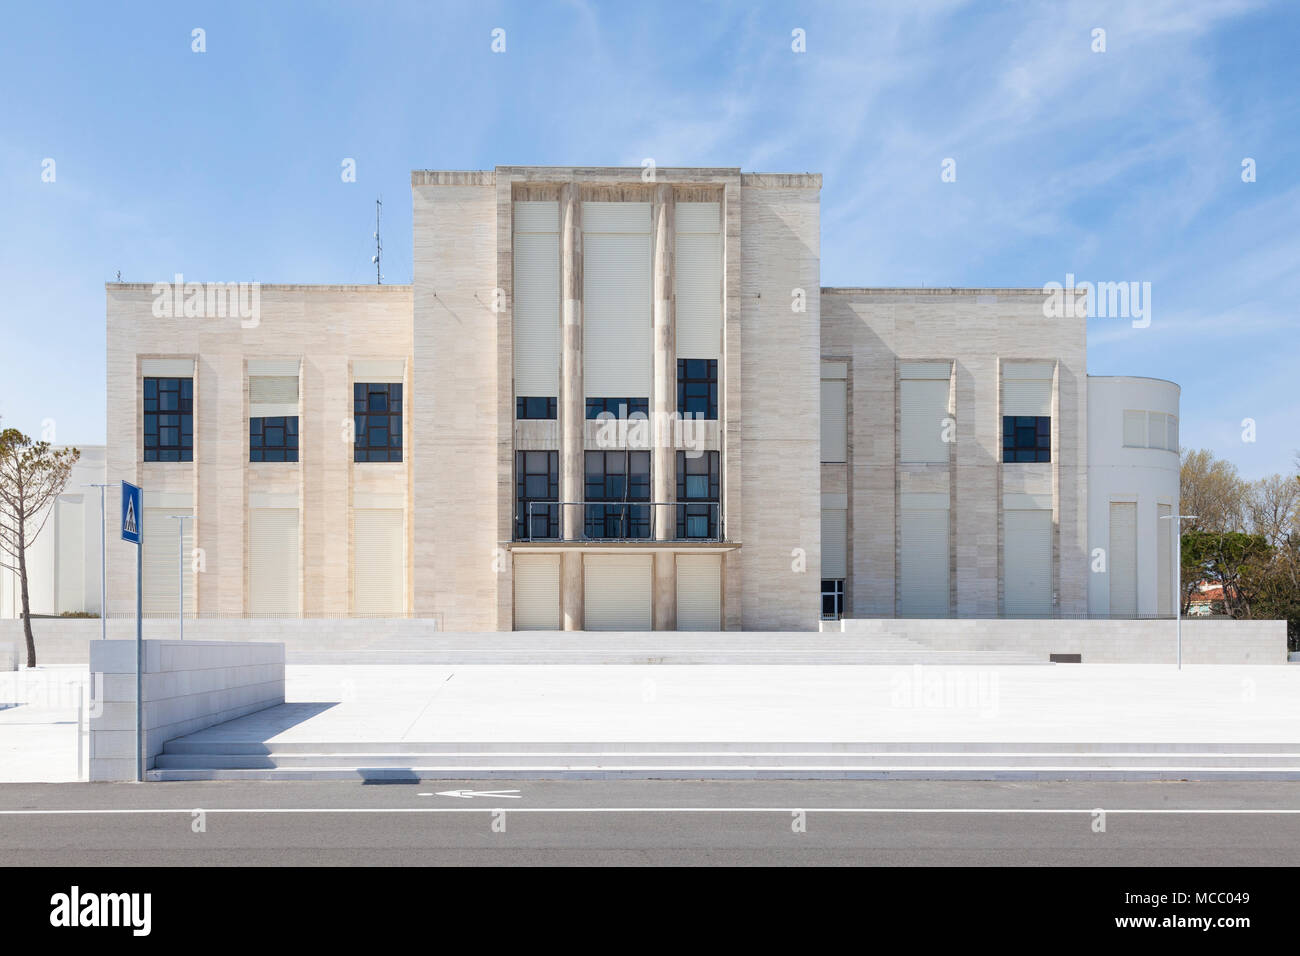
(723, 656)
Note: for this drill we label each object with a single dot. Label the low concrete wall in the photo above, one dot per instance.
(64, 641)
(1098, 641)
(187, 686)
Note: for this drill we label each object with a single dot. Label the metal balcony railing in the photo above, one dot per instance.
(622, 521)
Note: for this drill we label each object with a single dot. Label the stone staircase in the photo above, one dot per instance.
(208, 757)
(651, 647)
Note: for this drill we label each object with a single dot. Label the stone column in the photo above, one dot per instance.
(572, 403)
(663, 466)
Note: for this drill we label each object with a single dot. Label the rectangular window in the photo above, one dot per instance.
(832, 599)
(533, 406)
(273, 439)
(697, 388)
(537, 480)
(169, 419)
(377, 411)
(613, 480)
(618, 407)
(699, 485)
(1026, 438)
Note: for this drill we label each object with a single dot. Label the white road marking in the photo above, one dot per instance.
(486, 809)
(470, 794)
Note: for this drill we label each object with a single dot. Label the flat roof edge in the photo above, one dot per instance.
(387, 288)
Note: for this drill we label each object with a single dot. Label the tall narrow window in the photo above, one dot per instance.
(699, 485)
(169, 419)
(537, 482)
(832, 599)
(614, 481)
(377, 409)
(697, 388)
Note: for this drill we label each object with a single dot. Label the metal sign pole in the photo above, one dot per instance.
(132, 528)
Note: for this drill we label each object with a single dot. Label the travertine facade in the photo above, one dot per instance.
(751, 558)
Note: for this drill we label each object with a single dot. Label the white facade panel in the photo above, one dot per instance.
(537, 592)
(617, 592)
(70, 522)
(274, 576)
(698, 283)
(699, 592)
(617, 330)
(1164, 560)
(1135, 428)
(1027, 563)
(378, 562)
(1122, 559)
(923, 566)
(537, 314)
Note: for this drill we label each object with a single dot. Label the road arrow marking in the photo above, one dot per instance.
(470, 794)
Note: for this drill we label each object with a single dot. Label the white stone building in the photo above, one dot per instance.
(606, 403)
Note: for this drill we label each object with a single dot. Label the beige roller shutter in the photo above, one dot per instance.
(1027, 388)
(834, 542)
(161, 562)
(1122, 560)
(834, 412)
(1027, 563)
(923, 406)
(616, 309)
(699, 592)
(1164, 560)
(617, 592)
(537, 592)
(923, 567)
(71, 521)
(1135, 428)
(537, 298)
(378, 562)
(697, 277)
(274, 588)
(1171, 434)
(271, 396)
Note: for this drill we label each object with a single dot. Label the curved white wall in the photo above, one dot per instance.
(1147, 477)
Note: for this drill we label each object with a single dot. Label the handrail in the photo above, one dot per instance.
(563, 506)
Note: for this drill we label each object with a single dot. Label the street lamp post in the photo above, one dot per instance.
(180, 570)
(1177, 531)
(103, 565)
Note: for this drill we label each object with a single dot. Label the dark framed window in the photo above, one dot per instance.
(377, 412)
(832, 599)
(273, 439)
(699, 487)
(169, 419)
(615, 479)
(618, 407)
(533, 406)
(697, 388)
(1026, 438)
(537, 479)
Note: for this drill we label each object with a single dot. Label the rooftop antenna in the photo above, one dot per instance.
(379, 249)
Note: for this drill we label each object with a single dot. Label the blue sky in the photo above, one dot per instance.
(1115, 166)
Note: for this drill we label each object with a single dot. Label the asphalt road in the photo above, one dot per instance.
(650, 823)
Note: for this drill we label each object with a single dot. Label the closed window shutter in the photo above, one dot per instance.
(699, 592)
(272, 396)
(1123, 558)
(1171, 434)
(537, 299)
(834, 543)
(617, 333)
(1027, 563)
(617, 592)
(923, 567)
(1164, 561)
(71, 520)
(378, 562)
(161, 560)
(834, 436)
(273, 576)
(697, 277)
(1135, 429)
(537, 592)
(1155, 430)
(1027, 389)
(923, 405)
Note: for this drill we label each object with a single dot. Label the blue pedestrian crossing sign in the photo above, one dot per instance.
(131, 513)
